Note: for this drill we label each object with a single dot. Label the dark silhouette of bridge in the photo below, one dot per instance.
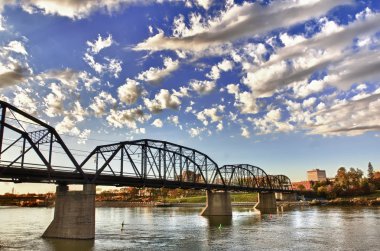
(33, 151)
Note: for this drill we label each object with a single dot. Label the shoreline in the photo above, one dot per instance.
(121, 204)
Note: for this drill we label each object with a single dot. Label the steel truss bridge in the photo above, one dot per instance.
(32, 151)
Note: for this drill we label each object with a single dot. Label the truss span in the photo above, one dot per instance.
(33, 151)
(153, 159)
(242, 176)
(27, 144)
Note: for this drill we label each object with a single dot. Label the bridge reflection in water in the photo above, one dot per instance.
(32, 151)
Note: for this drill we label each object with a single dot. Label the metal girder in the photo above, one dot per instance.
(145, 162)
(154, 159)
(26, 136)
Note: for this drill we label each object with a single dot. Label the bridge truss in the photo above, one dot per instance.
(28, 153)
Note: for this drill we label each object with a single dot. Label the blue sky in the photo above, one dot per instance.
(286, 85)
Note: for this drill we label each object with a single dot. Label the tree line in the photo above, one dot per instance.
(351, 182)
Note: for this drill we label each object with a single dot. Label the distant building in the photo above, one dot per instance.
(303, 185)
(316, 175)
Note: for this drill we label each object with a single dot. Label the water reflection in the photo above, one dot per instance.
(64, 244)
(309, 228)
(219, 221)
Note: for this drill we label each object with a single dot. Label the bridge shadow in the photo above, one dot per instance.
(69, 244)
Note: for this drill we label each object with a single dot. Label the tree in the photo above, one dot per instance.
(341, 178)
(370, 171)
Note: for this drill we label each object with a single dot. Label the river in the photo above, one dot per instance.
(146, 228)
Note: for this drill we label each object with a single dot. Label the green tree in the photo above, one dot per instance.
(370, 171)
(341, 178)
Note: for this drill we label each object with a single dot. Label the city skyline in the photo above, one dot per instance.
(288, 85)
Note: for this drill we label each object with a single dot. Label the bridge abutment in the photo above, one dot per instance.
(74, 214)
(266, 203)
(217, 203)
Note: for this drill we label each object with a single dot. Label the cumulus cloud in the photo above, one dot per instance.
(2, 22)
(100, 103)
(195, 132)
(96, 46)
(238, 21)
(209, 115)
(12, 75)
(174, 119)
(24, 100)
(112, 66)
(156, 75)
(129, 92)
(203, 87)
(245, 132)
(271, 122)
(72, 8)
(204, 3)
(157, 123)
(54, 101)
(347, 117)
(17, 47)
(67, 77)
(244, 101)
(128, 117)
(162, 101)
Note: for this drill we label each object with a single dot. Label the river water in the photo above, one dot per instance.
(309, 228)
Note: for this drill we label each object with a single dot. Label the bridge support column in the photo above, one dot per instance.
(74, 215)
(217, 203)
(286, 196)
(266, 203)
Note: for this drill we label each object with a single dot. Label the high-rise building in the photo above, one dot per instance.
(316, 175)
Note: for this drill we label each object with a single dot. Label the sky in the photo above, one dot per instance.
(286, 85)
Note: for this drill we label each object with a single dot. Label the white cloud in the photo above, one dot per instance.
(238, 21)
(209, 114)
(202, 87)
(101, 102)
(75, 9)
(17, 47)
(83, 136)
(347, 117)
(245, 132)
(113, 67)
(194, 132)
(157, 123)
(271, 123)
(225, 65)
(129, 92)
(204, 3)
(2, 21)
(13, 74)
(67, 77)
(128, 117)
(24, 101)
(244, 101)
(161, 101)
(174, 119)
(156, 75)
(54, 101)
(99, 44)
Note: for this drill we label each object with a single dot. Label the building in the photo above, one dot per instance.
(316, 175)
(303, 185)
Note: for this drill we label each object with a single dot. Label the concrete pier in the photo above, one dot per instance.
(74, 215)
(286, 196)
(217, 204)
(266, 203)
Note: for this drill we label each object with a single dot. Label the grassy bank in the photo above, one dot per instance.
(235, 197)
